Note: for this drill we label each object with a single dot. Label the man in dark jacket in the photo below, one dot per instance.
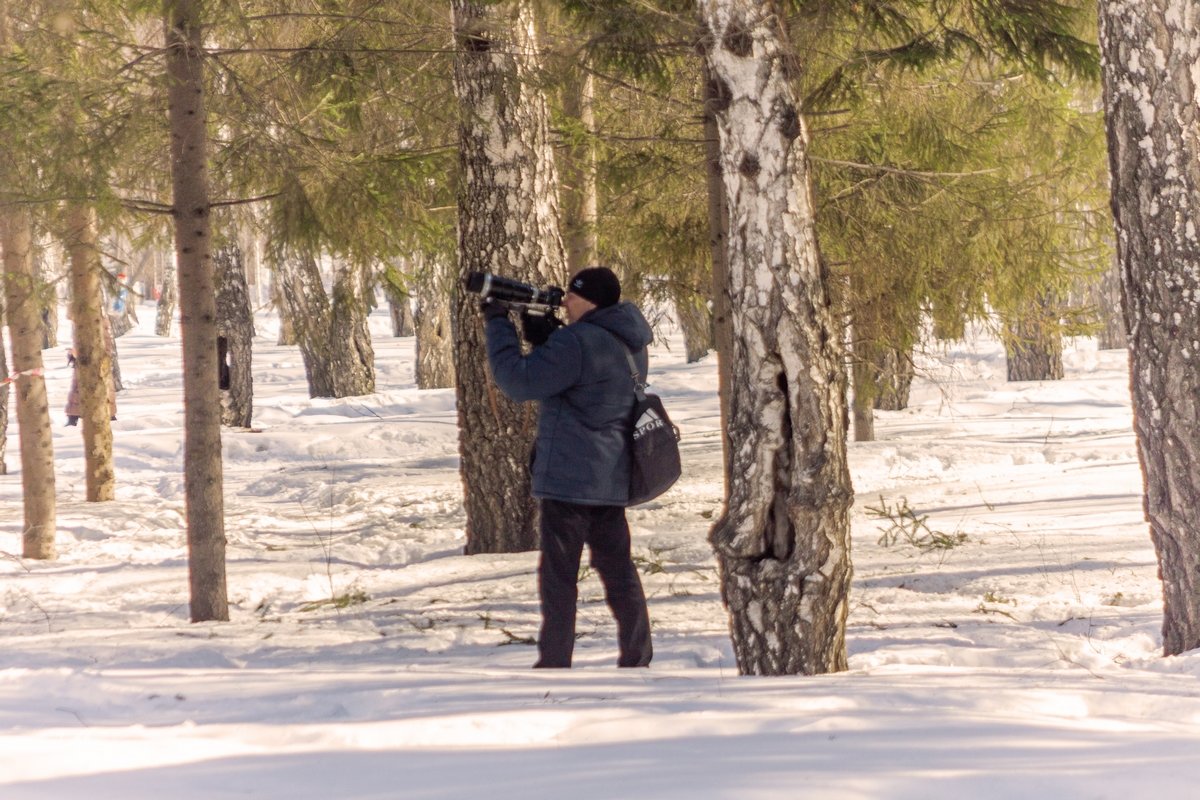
(580, 376)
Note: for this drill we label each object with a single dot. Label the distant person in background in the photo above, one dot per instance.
(74, 403)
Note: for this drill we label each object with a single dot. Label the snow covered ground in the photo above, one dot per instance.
(1008, 649)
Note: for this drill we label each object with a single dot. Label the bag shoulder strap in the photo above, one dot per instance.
(639, 388)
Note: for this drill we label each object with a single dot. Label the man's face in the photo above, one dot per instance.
(576, 306)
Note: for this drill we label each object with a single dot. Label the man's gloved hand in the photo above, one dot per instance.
(537, 328)
(492, 310)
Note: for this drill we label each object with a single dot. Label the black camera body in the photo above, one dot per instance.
(514, 294)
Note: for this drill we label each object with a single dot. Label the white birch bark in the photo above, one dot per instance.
(1151, 65)
(783, 542)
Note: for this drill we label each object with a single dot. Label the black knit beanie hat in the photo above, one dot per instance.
(598, 285)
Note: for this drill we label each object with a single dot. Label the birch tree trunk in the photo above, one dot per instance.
(896, 372)
(235, 332)
(507, 224)
(287, 331)
(203, 469)
(401, 313)
(1152, 106)
(93, 365)
(168, 295)
(331, 332)
(122, 310)
(434, 331)
(695, 320)
(33, 409)
(783, 543)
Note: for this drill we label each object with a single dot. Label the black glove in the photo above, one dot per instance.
(537, 328)
(492, 310)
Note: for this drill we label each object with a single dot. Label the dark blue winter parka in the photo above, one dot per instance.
(580, 378)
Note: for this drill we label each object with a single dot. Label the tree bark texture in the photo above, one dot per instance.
(287, 331)
(331, 331)
(695, 320)
(33, 410)
(400, 310)
(718, 243)
(434, 330)
(23, 314)
(783, 543)
(235, 342)
(1034, 347)
(1150, 52)
(93, 364)
(203, 468)
(507, 224)
(863, 398)
(403, 322)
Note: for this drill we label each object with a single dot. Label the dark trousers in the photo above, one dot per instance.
(565, 529)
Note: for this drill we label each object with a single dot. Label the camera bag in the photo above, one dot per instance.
(654, 443)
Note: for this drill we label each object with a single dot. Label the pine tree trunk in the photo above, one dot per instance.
(332, 333)
(33, 410)
(93, 365)
(235, 332)
(1034, 346)
(203, 469)
(435, 340)
(507, 224)
(1150, 84)
(783, 543)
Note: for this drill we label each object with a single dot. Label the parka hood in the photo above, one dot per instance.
(625, 321)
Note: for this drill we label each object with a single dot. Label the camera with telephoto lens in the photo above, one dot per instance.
(514, 294)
